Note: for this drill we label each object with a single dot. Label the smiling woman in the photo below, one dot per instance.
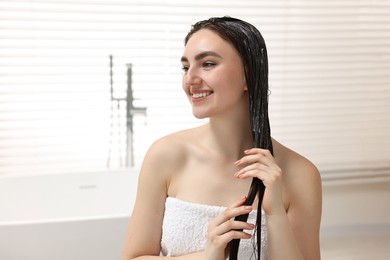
(201, 174)
(329, 65)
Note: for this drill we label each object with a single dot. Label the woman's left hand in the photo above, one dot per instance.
(259, 163)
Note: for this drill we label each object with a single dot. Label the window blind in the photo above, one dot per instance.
(329, 79)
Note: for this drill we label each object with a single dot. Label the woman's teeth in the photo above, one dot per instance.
(200, 95)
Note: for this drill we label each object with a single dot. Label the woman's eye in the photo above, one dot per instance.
(184, 68)
(208, 64)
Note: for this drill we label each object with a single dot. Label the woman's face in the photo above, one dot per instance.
(214, 77)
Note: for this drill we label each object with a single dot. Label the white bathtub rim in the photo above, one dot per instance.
(63, 220)
(97, 172)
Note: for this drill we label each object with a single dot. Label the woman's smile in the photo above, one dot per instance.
(199, 96)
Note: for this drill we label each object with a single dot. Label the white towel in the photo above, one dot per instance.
(184, 229)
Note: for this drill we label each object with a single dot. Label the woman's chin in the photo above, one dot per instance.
(198, 115)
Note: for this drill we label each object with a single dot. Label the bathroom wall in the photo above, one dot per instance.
(356, 207)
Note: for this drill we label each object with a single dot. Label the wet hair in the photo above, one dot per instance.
(250, 44)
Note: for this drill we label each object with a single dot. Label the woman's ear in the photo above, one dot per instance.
(244, 82)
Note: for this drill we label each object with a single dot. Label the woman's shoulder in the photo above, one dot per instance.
(294, 165)
(301, 178)
(172, 149)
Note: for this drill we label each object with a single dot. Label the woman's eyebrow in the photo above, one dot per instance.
(202, 55)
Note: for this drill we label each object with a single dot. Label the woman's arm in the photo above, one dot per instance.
(144, 230)
(295, 234)
(304, 212)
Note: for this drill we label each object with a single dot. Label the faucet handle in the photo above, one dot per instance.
(138, 110)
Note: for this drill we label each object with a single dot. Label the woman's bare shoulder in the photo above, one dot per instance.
(171, 150)
(300, 176)
(166, 156)
(292, 162)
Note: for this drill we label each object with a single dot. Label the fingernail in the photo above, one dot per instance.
(237, 162)
(246, 151)
(248, 207)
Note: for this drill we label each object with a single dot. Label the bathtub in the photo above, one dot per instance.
(65, 216)
(84, 217)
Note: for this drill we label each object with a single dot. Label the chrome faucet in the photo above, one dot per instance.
(131, 110)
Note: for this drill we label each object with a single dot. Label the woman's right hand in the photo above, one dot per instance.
(224, 228)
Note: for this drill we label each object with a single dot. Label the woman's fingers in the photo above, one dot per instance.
(227, 237)
(238, 203)
(231, 212)
(224, 228)
(232, 225)
(264, 152)
(256, 155)
(259, 163)
(259, 171)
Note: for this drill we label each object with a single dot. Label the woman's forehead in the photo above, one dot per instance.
(207, 40)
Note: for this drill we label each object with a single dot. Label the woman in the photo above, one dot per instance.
(192, 185)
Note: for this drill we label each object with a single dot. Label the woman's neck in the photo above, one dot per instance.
(230, 135)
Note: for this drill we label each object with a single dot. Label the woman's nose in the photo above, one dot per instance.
(192, 77)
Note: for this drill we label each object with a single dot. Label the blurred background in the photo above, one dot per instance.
(86, 86)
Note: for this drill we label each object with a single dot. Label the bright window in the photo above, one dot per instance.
(329, 78)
